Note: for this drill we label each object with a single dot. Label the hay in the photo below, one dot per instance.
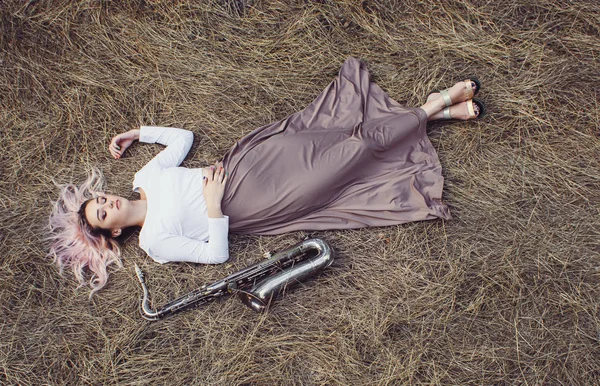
(505, 293)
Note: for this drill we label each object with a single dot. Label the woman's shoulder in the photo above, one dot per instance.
(143, 176)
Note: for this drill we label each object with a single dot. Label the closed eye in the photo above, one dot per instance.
(101, 216)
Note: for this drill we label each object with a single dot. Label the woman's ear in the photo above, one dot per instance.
(116, 232)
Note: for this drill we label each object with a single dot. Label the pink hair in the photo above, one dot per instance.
(74, 244)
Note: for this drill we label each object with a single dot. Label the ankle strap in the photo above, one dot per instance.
(446, 97)
(446, 113)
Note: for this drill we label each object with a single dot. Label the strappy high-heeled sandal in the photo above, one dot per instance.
(470, 91)
(470, 109)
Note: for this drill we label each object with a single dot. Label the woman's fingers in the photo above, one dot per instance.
(216, 174)
(112, 151)
(114, 147)
(115, 150)
(222, 175)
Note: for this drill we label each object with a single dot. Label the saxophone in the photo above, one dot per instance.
(256, 285)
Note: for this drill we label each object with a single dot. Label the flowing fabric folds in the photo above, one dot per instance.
(353, 158)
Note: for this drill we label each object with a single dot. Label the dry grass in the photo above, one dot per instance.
(505, 293)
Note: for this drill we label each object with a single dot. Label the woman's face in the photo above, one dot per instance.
(108, 212)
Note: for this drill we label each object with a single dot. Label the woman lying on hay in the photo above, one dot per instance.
(353, 158)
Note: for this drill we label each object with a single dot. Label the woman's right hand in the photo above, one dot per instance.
(121, 142)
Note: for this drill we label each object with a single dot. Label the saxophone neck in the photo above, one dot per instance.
(147, 312)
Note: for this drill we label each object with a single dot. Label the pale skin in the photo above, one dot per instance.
(116, 213)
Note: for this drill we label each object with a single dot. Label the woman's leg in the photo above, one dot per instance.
(433, 107)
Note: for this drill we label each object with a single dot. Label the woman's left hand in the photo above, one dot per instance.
(215, 179)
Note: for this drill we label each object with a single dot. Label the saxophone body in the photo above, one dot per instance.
(256, 285)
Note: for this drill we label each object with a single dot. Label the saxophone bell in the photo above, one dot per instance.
(259, 297)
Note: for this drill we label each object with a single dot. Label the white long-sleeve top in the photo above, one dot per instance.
(177, 226)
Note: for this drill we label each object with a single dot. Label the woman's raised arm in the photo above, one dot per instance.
(121, 142)
(177, 141)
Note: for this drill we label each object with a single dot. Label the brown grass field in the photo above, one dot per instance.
(506, 293)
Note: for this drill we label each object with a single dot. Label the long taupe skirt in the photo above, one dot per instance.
(353, 158)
